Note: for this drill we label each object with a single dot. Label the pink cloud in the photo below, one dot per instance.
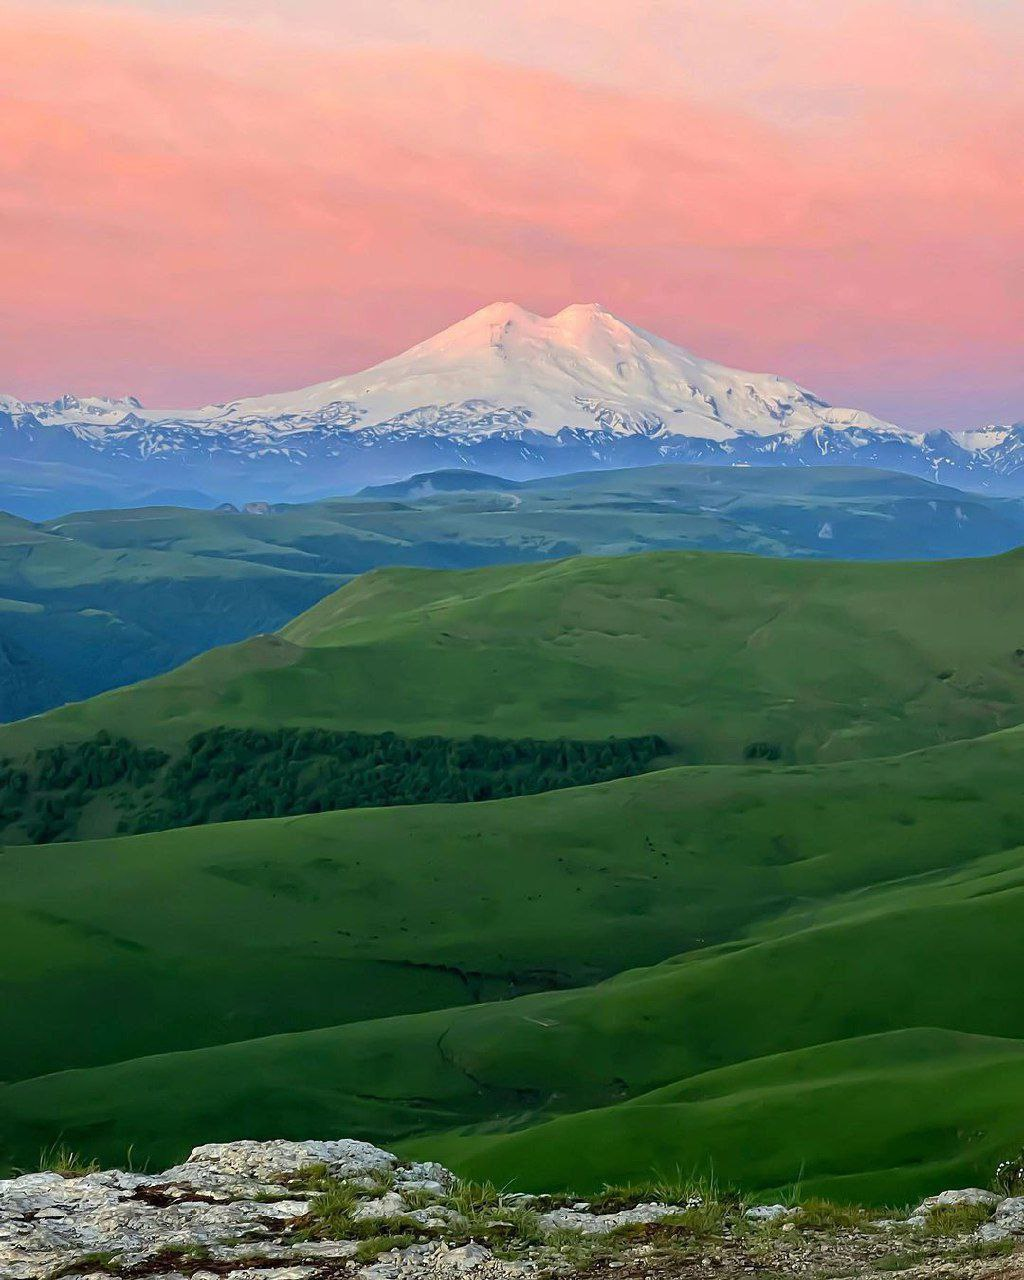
(191, 210)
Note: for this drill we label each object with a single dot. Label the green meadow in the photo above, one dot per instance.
(97, 599)
(795, 965)
(715, 653)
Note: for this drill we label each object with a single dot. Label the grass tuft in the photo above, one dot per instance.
(702, 1220)
(980, 1250)
(185, 1253)
(382, 1181)
(59, 1158)
(332, 1209)
(311, 1177)
(824, 1215)
(487, 1214)
(678, 1190)
(470, 1198)
(419, 1197)
(956, 1220)
(506, 1223)
(370, 1249)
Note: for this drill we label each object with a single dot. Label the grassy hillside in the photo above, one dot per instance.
(100, 599)
(876, 1118)
(722, 656)
(76, 619)
(880, 1119)
(465, 519)
(795, 952)
(564, 888)
(822, 911)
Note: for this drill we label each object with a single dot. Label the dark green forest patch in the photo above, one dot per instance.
(225, 774)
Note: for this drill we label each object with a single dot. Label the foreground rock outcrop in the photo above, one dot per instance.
(322, 1210)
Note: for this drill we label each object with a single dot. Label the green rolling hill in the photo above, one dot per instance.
(792, 963)
(574, 886)
(77, 618)
(463, 519)
(722, 658)
(99, 599)
(864, 917)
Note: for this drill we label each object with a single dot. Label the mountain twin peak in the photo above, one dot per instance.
(574, 326)
(505, 390)
(581, 369)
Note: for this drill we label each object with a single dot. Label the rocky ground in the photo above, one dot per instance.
(324, 1210)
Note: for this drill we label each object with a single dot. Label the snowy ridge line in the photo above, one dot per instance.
(505, 387)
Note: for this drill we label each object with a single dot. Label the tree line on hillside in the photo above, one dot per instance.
(67, 777)
(226, 773)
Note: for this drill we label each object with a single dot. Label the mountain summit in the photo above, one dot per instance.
(504, 390)
(580, 369)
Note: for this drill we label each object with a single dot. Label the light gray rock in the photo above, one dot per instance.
(240, 1273)
(972, 1197)
(326, 1250)
(269, 1250)
(601, 1223)
(46, 1219)
(469, 1257)
(426, 1176)
(768, 1213)
(991, 1231)
(389, 1205)
(434, 1215)
(1009, 1215)
(449, 1263)
(233, 1169)
(272, 1273)
(231, 1199)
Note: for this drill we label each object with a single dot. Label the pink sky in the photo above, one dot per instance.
(202, 200)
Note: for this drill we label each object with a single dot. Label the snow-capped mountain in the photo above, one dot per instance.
(582, 369)
(504, 390)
